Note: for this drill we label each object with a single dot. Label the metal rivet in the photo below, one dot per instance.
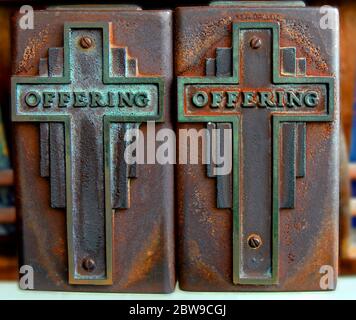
(86, 42)
(88, 264)
(255, 42)
(254, 241)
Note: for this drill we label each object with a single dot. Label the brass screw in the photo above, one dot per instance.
(86, 42)
(254, 241)
(88, 264)
(255, 42)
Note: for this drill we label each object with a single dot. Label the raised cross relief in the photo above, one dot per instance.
(262, 92)
(88, 94)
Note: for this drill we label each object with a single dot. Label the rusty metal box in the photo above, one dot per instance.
(84, 77)
(264, 76)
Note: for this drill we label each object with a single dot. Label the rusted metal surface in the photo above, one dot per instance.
(282, 226)
(347, 11)
(93, 221)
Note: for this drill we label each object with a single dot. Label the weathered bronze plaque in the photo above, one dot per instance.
(269, 73)
(91, 220)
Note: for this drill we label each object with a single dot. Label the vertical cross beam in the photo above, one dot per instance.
(256, 139)
(89, 108)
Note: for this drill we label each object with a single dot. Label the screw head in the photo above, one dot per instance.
(86, 42)
(88, 264)
(254, 241)
(255, 42)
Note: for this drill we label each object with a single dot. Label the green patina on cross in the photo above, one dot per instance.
(88, 99)
(250, 125)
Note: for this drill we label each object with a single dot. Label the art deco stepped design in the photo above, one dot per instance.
(269, 136)
(53, 139)
(294, 144)
(87, 96)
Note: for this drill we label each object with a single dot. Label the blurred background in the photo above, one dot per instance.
(347, 8)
